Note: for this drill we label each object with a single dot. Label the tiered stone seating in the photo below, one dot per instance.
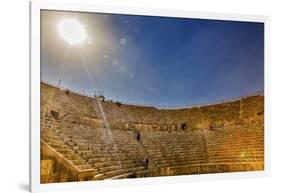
(171, 149)
(225, 137)
(110, 153)
(52, 137)
(252, 106)
(71, 103)
(244, 143)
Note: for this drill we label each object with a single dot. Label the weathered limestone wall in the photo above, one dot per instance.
(56, 168)
(53, 169)
(85, 110)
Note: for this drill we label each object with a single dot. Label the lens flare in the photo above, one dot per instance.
(72, 31)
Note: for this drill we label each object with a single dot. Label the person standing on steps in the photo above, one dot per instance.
(138, 136)
(146, 163)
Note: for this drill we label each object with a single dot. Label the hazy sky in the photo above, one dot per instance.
(155, 60)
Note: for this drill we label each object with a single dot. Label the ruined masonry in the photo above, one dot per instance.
(85, 138)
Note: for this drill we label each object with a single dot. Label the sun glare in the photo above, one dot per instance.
(72, 31)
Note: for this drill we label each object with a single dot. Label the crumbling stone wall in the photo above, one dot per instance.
(148, 118)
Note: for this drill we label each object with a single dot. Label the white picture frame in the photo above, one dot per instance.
(36, 6)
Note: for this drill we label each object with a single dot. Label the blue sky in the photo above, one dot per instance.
(156, 60)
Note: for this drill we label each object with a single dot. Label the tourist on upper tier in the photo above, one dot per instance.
(146, 163)
(138, 135)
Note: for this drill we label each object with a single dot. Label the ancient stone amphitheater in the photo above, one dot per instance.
(85, 138)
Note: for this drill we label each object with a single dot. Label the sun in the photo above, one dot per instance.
(72, 31)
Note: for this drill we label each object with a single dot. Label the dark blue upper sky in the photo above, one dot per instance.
(156, 60)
